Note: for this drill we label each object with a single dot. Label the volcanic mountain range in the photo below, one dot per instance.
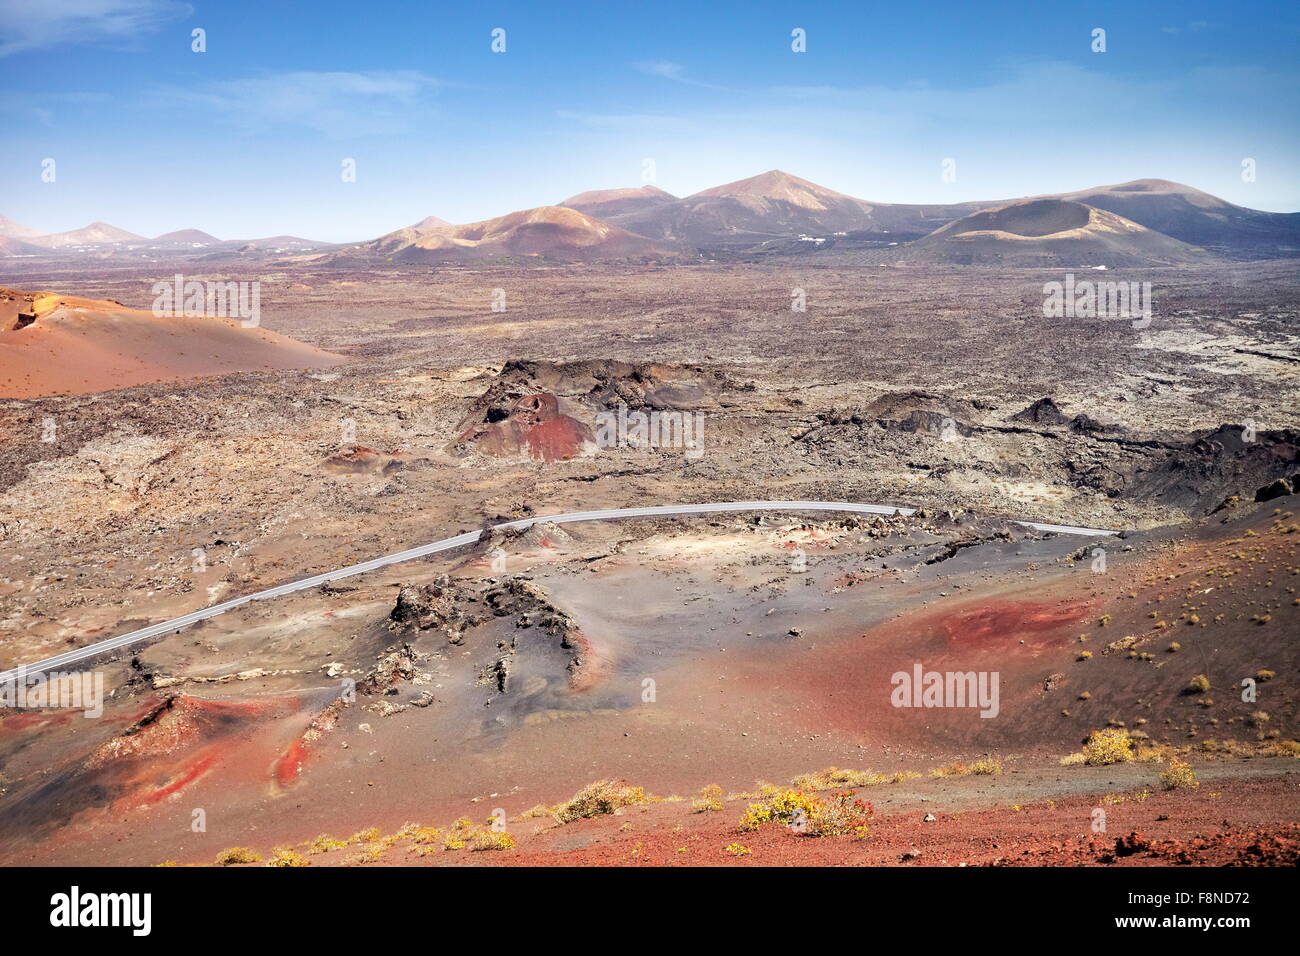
(18, 239)
(547, 231)
(1144, 221)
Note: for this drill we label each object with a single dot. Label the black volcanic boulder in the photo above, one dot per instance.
(1042, 412)
(1089, 425)
(1276, 489)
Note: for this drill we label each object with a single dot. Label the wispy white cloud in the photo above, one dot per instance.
(660, 124)
(1196, 26)
(341, 104)
(1030, 127)
(27, 25)
(48, 109)
(664, 68)
(676, 72)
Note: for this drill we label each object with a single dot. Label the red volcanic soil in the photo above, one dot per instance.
(1237, 823)
(846, 684)
(187, 776)
(289, 766)
(595, 664)
(750, 700)
(1085, 650)
(987, 625)
(173, 744)
(534, 427)
(75, 346)
(1238, 816)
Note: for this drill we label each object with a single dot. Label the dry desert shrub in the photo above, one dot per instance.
(1153, 752)
(459, 834)
(710, 799)
(324, 843)
(986, 766)
(603, 796)
(283, 856)
(420, 836)
(1112, 745)
(835, 777)
(488, 839)
(1227, 748)
(1280, 748)
(840, 813)
(237, 854)
(533, 813)
(1178, 775)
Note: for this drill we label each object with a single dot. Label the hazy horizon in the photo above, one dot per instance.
(248, 138)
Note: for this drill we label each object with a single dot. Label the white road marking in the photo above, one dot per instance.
(446, 544)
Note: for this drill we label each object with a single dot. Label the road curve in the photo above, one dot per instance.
(69, 658)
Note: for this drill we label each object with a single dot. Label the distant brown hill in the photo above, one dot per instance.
(52, 344)
(102, 240)
(1197, 217)
(190, 236)
(773, 213)
(430, 222)
(288, 243)
(1049, 232)
(9, 246)
(776, 204)
(97, 233)
(16, 230)
(551, 232)
(604, 203)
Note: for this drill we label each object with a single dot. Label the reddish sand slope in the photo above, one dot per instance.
(75, 346)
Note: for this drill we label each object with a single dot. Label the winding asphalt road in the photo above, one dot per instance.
(69, 658)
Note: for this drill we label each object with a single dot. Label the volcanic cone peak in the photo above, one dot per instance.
(1054, 232)
(56, 344)
(603, 203)
(529, 425)
(778, 186)
(543, 534)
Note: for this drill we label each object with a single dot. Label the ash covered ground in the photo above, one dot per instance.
(770, 639)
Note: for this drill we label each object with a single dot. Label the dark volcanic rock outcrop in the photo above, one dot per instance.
(443, 604)
(1199, 476)
(1042, 412)
(604, 383)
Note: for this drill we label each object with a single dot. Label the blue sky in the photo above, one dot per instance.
(247, 139)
